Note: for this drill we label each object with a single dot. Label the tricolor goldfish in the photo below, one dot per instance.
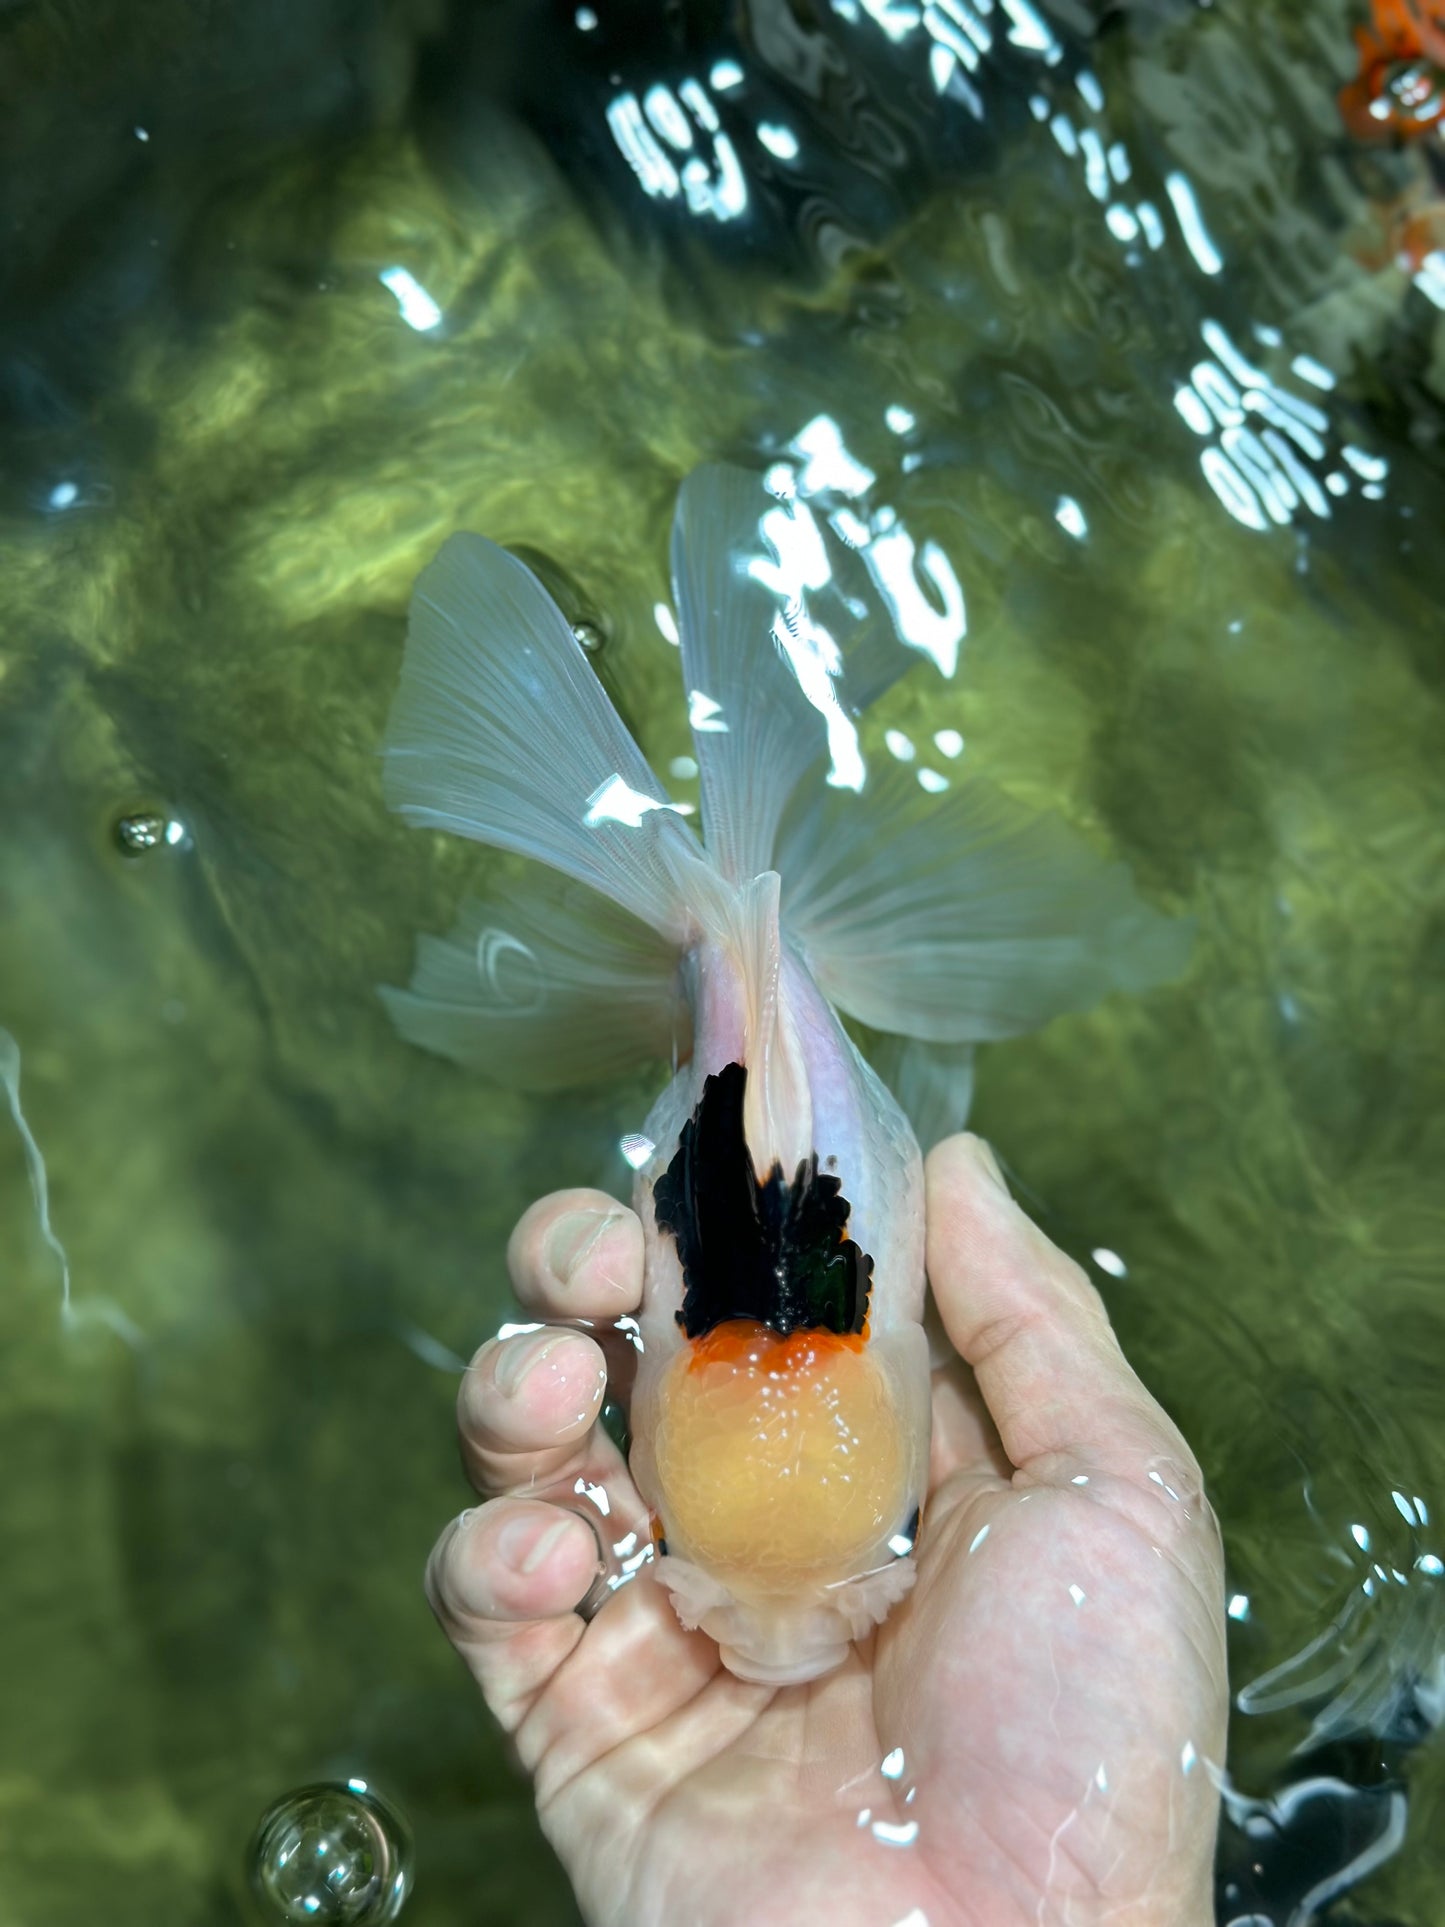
(780, 1419)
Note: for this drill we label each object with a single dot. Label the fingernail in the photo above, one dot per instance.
(571, 1239)
(516, 1359)
(983, 1151)
(523, 1547)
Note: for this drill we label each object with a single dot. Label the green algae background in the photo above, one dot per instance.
(223, 1478)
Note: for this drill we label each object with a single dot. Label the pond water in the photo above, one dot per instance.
(1092, 316)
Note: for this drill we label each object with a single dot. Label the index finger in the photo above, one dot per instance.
(1036, 1333)
(577, 1254)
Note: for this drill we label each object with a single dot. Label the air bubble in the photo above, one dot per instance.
(332, 1853)
(138, 832)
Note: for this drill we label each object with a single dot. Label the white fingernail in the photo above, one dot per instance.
(544, 1545)
(517, 1356)
(573, 1238)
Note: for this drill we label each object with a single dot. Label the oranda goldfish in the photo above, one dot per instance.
(780, 1419)
(1400, 88)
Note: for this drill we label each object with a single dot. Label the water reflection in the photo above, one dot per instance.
(713, 185)
(35, 1165)
(418, 310)
(1285, 1862)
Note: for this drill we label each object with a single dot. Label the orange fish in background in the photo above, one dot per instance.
(1416, 236)
(1400, 90)
(1402, 233)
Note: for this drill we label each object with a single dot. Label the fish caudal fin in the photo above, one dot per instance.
(517, 988)
(768, 629)
(961, 918)
(501, 732)
(750, 721)
(945, 919)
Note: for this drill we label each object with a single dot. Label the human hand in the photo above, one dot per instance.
(1050, 1699)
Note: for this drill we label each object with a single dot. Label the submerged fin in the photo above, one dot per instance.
(501, 732)
(1379, 1666)
(962, 918)
(756, 1246)
(546, 987)
(932, 1082)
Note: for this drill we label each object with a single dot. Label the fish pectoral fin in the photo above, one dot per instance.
(933, 1083)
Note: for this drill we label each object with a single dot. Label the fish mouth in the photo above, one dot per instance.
(793, 1672)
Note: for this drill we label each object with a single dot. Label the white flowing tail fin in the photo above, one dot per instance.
(767, 633)
(546, 987)
(501, 732)
(946, 920)
(961, 918)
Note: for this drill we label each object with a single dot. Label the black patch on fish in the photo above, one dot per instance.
(1314, 1841)
(755, 1247)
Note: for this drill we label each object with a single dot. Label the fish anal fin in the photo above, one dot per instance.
(932, 1082)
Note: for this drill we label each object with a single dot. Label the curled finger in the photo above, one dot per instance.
(577, 1254)
(528, 1414)
(505, 1581)
(525, 1406)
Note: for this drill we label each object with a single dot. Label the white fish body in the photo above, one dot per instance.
(785, 1465)
(781, 1414)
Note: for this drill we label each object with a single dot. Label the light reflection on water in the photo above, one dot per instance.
(1091, 362)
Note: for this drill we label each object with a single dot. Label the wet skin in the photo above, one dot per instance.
(1057, 1686)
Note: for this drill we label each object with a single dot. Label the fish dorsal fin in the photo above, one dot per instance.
(778, 1110)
